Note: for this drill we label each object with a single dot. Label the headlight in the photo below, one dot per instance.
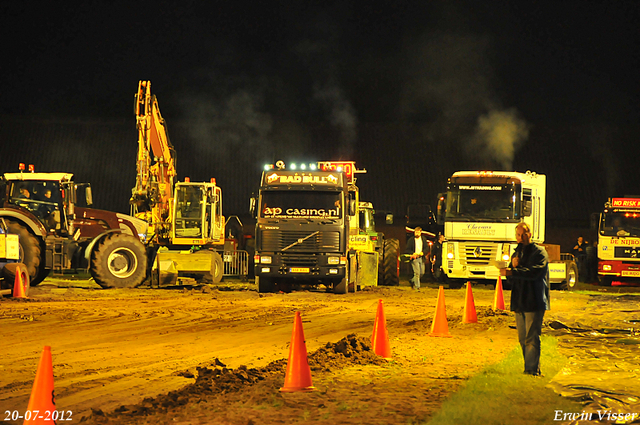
(450, 255)
(265, 260)
(333, 260)
(505, 257)
(606, 267)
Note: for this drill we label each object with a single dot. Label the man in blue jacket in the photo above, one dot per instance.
(528, 275)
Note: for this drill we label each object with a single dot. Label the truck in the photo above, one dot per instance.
(311, 228)
(619, 242)
(480, 211)
(185, 225)
(59, 231)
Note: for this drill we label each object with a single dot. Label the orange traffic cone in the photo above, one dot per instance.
(469, 315)
(380, 337)
(42, 398)
(498, 300)
(298, 374)
(21, 282)
(440, 327)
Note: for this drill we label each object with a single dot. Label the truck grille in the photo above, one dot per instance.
(300, 260)
(477, 254)
(277, 240)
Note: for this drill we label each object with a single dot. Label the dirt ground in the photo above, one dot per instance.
(217, 355)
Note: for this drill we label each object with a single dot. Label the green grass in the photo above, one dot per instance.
(502, 394)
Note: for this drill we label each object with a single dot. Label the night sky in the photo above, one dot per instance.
(497, 79)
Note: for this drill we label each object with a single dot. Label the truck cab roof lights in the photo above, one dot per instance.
(280, 165)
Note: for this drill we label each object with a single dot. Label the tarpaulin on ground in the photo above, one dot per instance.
(602, 344)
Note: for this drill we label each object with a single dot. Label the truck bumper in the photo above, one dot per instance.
(454, 271)
(619, 270)
(300, 267)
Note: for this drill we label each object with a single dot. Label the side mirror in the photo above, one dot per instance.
(89, 196)
(252, 206)
(388, 219)
(70, 193)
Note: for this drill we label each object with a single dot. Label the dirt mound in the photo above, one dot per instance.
(216, 379)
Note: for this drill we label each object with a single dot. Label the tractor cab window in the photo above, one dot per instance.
(366, 220)
(42, 198)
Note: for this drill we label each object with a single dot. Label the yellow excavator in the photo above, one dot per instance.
(186, 226)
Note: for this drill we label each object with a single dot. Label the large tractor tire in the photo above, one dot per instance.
(30, 252)
(120, 261)
(9, 273)
(391, 263)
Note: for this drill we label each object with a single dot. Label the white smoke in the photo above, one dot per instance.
(499, 134)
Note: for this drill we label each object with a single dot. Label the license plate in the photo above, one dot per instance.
(299, 269)
(634, 273)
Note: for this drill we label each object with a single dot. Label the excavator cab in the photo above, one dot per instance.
(198, 213)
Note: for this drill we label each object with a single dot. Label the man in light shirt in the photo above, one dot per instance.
(415, 249)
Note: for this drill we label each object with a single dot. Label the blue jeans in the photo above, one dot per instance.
(529, 326)
(418, 270)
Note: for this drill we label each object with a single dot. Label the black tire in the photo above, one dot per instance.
(265, 284)
(456, 283)
(217, 267)
(341, 287)
(120, 261)
(571, 283)
(391, 263)
(605, 280)
(30, 252)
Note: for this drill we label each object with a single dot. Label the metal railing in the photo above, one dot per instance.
(236, 263)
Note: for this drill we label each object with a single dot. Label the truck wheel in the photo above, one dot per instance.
(456, 283)
(341, 287)
(265, 284)
(391, 262)
(605, 280)
(30, 252)
(571, 284)
(120, 261)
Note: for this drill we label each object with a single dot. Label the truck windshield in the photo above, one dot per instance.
(311, 205)
(475, 202)
(620, 223)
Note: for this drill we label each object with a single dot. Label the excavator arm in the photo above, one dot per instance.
(156, 169)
